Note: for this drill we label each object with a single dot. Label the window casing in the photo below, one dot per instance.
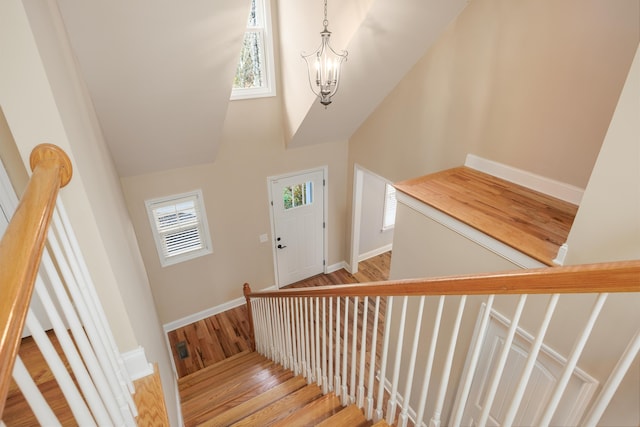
(179, 226)
(390, 204)
(255, 74)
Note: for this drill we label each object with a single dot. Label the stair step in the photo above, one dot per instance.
(219, 367)
(282, 407)
(350, 416)
(230, 376)
(312, 413)
(237, 413)
(381, 423)
(216, 400)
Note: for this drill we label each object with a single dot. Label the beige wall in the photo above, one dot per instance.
(607, 225)
(11, 158)
(44, 101)
(235, 194)
(530, 84)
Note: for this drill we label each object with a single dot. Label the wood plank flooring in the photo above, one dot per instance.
(531, 222)
(215, 338)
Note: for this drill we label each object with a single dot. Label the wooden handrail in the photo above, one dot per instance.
(623, 276)
(21, 249)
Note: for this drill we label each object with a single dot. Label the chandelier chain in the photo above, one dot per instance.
(326, 21)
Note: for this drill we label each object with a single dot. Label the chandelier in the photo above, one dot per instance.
(323, 66)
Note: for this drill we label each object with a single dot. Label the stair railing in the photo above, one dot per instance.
(314, 332)
(40, 253)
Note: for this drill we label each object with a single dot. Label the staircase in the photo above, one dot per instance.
(248, 389)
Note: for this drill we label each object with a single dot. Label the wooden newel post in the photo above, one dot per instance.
(247, 291)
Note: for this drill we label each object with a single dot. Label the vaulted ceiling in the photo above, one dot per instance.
(159, 73)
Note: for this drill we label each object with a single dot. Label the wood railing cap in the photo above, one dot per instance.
(51, 152)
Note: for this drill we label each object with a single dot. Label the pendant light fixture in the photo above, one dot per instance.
(324, 65)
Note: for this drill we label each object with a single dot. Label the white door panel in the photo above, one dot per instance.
(298, 218)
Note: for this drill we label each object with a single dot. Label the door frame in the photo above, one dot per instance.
(325, 191)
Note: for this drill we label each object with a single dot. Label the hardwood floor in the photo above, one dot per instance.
(218, 337)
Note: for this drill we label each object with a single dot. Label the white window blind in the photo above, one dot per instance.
(179, 226)
(389, 214)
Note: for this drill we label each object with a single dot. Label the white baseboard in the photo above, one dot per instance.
(136, 363)
(375, 252)
(337, 266)
(560, 190)
(196, 317)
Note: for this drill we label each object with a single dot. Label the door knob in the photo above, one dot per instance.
(281, 246)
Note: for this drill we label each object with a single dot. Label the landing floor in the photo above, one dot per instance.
(529, 221)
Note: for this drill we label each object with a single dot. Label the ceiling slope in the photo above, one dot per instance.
(159, 74)
(389, 41)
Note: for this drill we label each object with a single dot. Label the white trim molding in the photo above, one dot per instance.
(560, 190)
(136, 363)
(375, 252)
(470, 233)
(196, 317)
(337, 266)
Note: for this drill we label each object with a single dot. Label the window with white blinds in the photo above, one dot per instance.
(389, 214)
(179, 225)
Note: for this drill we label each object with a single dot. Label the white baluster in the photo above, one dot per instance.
(330, 355)
(71, 353)
(572, 361)
(473, 362)
(531, 362)
(307, 339)
(68, 388)
(33, 396)
(291, 334)
(502, 361)
(404, 414)
(284, 357)
(372, 361)
(325, 387)
(288, 326)
(114, 354)
(383, 363)
(285, 336)
(78, 331)
(337, 386)
(318, 362)
(98, 330)
(345, 347)
(312, 339)
(391, 406)
(446, 371)
(426, 381)
(363, 352)
(274, 334)
(354, 350)
(257, 324)
(303, 357)
(296, 334)
(610, 387)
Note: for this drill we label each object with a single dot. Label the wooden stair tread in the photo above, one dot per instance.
(350, 416)
(226, 377)
(312, 413)
(211, 404)
(238, 412)
(381, 423)
(218, 367)
(531, 222)
(282, 407)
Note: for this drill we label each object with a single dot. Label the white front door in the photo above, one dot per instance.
(297, 203)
